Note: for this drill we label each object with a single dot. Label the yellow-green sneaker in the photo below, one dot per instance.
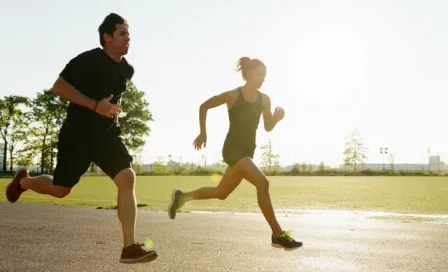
(285, 241)
(175, 203)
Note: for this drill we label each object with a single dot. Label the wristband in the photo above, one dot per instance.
(96, 105)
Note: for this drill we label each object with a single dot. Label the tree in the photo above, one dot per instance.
(134, 118)
(321, 166)
(268, 158)
(47, 115)
(295, 168)
(17, 134)
(93, 167)
(355, 151)
(137, 165)
(25, 159)
(8, 110)
(304, 166)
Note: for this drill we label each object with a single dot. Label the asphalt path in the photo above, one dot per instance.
(57, 238)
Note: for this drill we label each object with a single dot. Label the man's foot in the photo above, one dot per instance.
(135, 253)
(14, 190)
(175, 204)
(285, 241)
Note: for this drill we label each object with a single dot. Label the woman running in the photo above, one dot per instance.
(245, 106)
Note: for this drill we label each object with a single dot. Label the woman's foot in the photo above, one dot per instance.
(175, 203)
(285, 241)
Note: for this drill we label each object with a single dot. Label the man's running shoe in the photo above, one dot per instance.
(14, 190)
(135, 253)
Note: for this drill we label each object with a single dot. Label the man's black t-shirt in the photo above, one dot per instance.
(97, 76)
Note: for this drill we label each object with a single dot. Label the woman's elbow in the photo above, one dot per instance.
(203, 107)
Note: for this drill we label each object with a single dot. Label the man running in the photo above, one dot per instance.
(245, 106)
(93, 83)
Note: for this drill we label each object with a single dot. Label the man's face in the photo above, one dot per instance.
(119, 41)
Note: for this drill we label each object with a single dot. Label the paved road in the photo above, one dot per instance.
(52, 238)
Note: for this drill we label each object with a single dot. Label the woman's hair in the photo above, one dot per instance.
(246, 64)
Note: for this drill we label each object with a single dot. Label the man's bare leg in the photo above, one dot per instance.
(127, 215)
(42, 184)
(127, 204)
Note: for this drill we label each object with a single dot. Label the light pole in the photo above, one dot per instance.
(429, 160)
(383, 151)
(204, 160)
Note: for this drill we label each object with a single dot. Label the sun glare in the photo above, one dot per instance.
(332, 64)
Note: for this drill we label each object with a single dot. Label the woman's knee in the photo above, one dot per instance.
(263, 185)
(222, 195)
(253, 174)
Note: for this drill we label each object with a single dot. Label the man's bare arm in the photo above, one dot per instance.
(67, 92)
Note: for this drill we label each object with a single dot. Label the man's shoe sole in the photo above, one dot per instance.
(144, 259)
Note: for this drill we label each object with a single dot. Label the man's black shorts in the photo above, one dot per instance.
(75, 154)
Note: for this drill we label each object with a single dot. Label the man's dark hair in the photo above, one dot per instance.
(109, 25)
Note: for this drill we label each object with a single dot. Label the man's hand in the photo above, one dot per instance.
(201, 139)
(107, 109)
(278, 115)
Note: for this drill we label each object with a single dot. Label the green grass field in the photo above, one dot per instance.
(388, 194)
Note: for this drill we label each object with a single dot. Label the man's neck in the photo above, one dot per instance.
(113, 55)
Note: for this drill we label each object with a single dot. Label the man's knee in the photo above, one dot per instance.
(60, 192)
(125, 179)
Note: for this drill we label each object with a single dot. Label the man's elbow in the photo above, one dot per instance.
(58, 88)
(56, 91)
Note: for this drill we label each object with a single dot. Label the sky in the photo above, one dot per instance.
(377, 66)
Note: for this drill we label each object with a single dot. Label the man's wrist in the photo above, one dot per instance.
(96, 105)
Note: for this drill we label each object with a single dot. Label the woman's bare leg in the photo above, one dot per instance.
(252, 174)
(231, 179)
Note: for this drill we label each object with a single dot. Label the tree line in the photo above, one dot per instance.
(354, 151)
(29, 127)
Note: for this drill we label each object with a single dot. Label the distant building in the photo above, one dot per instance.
(435, 164)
